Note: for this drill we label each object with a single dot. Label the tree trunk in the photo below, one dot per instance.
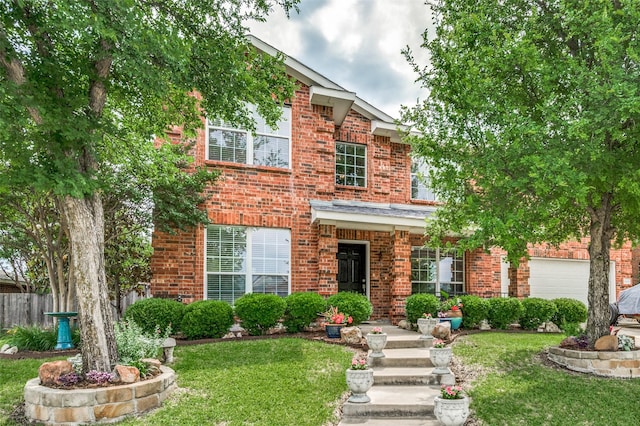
(601, 233)
(86, 234)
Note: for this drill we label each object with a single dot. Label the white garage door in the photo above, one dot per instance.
(553, 278)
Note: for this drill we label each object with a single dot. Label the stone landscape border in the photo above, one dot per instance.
(620, 364)
(96, 405)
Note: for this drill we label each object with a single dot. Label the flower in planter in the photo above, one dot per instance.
(427, 315)
(333, 316)
(451, 392)
(439, 343)
(376, 330)
(359, 363)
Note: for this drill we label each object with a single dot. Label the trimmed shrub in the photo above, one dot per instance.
(154, 313)
(474, 310)
(570, 311)
(354, 304)
(207, 319)
(419, 304)
(259, 312)
(536, 311)
(301, 310)
(504, 311)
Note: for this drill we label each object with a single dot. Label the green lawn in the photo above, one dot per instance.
(300, 382)
(518, 389)
(282, 381)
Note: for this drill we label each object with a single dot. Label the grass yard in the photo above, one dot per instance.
(291, 381)
(283, 381)
(518, 389)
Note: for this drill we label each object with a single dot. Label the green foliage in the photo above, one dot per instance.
(626, 343)
(535, 312)
(570, 311)
(259, 312)
(301, 310)
(571, 328)
(134, 343)
(475, 309)
(530, 128)
(153, 313)
(504, 311)
(419, 304)
(207, 319)
(352, 304)
(35, 338)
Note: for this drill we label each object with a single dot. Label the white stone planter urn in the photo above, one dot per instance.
(451, 412)
(426, 325)
(440, 358)
(376, 342)
(359, 382)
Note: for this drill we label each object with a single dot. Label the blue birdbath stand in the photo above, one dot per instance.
(64, 332)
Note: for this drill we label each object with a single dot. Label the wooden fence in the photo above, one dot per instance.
(29, 308)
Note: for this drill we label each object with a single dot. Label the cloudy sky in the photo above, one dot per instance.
(356, 44)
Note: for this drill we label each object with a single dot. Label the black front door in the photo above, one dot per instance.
(352, 268)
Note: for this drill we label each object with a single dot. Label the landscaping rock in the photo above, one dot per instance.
(549, 327)
(152, 362)
(127, 373)
(351, 335)
(12, 350)
(569, 343)
(484, 325)
(404, 324)
(442, 330)
(4, 348)
(50, 372)
(607, 343)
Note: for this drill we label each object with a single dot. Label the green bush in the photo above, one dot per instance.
(301, 310)
(419, 304)
(207, 319)
(259, 312)
(570, 311)
(134, 344)
(353, 304)
(536, 311)
(35, 338)
(474, 310)
(504, 311)
(154, 313)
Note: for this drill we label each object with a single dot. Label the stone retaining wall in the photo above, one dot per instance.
(621, 364)
(96, 405)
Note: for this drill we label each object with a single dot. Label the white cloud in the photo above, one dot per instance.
(357, 44)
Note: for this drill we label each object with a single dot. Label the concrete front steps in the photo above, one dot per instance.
(404, 385)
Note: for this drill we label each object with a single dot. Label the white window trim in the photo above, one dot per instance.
(422, 175)
(366, 165)
(437, 281)
(248, 274)
(250, 139)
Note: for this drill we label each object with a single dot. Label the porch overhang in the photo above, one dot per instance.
(370, 216)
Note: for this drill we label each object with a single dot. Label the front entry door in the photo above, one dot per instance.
(352, 268)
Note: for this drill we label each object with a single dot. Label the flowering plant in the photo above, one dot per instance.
(438, 343)
(451, 392)
(376, 330)
(333, 316)
(359, 363)
(427, 315)
(450, 305)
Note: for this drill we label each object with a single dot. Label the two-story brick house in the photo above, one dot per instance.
(330, 201)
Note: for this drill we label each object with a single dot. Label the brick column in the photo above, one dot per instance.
(327, 262)
(519, 280)
(400, 274)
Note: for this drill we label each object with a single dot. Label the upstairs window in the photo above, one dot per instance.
(351, 164)
(420, 182)
(267, 147)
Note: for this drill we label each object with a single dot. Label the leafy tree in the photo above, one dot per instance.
(532, 123)
(81, 79)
